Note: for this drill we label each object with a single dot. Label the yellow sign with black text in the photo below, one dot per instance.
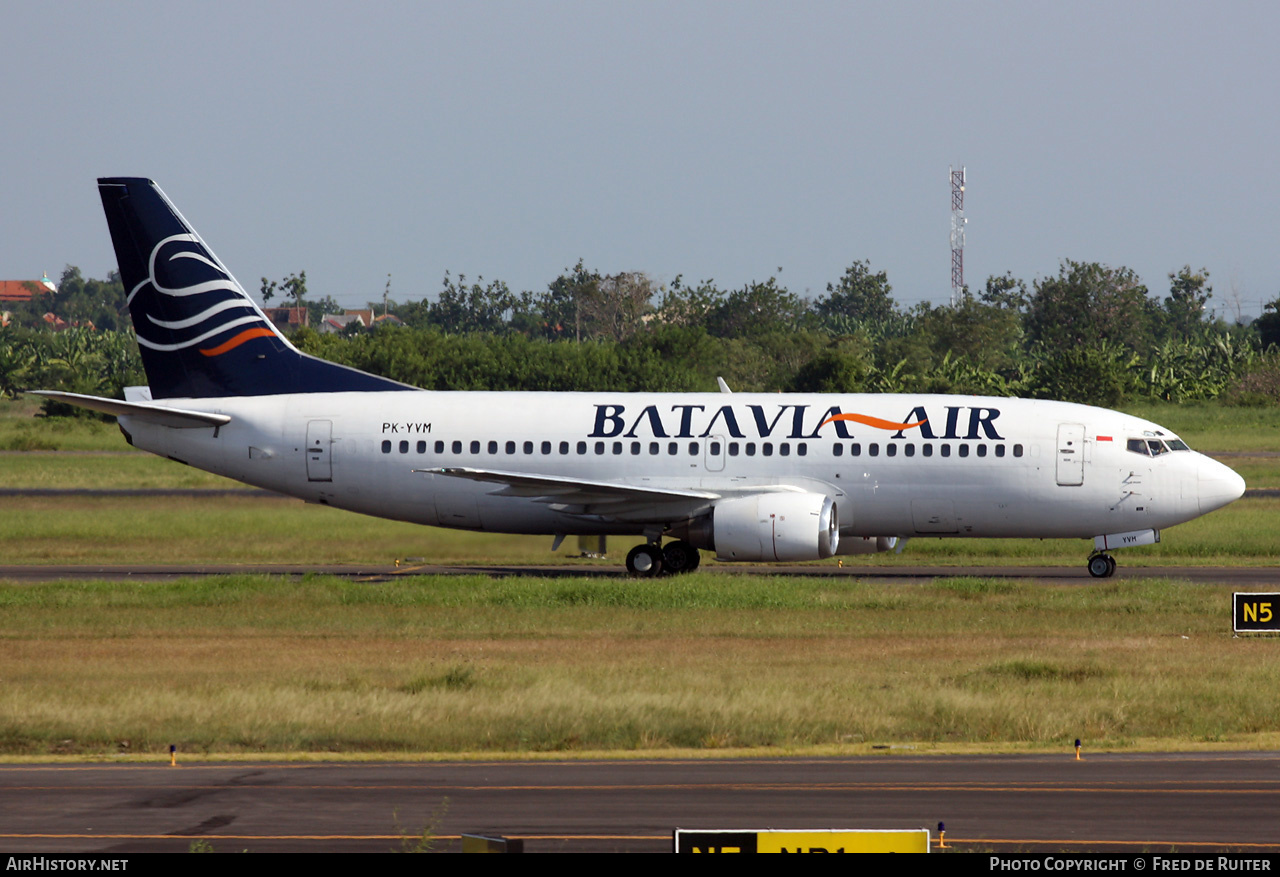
(1256, 613)
(821, 841)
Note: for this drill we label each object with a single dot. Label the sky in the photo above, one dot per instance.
(730, 141)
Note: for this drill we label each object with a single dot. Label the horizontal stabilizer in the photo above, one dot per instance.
(162, 415)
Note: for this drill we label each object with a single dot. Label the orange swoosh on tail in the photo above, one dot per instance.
(237, 340)
(866, 420)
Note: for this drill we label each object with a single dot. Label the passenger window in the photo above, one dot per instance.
(457, 447)
(599, 447)
(386, 446)
(733, 449)
(546, 447)
(564, 448)
(751, 449)
(999, 450)
(802, 450)
(635, 449)
(715, 449)
(422, 447)
(404, 447)
(654, 449)
(855, 450)
(617, 448)
(528, 447)
(784, 450)
(493, 447)
(1017, 450)
(475, 447)
(582, 447)
(837, 450)
(766, 448)
(909, 450)
(873, 450)
(511, 447)
(926, 450)
(946, 450)
(693, 449)
(673, 448)
(439, 447)
(891, 450)
(982, 450)
(964, 450)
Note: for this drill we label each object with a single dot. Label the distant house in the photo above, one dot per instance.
(287, 319)
(22, 291)
(388, 320)
(57, 324)
(330, 323)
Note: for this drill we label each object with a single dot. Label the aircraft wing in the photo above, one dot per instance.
(580, 496)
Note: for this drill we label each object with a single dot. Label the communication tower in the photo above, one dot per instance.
(957, 235)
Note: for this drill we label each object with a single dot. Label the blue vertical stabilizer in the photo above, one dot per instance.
(199, 333)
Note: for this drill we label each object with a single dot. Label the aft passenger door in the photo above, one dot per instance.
(319, 450)
(1070, 454)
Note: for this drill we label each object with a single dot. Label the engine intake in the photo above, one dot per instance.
(776, 526)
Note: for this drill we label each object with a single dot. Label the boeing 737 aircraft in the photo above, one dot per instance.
(752, 477)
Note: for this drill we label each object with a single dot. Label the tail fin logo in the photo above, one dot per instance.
(189, 298)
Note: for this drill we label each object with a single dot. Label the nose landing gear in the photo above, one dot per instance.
(1102, 566)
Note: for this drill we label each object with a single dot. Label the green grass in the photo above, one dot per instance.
(705, 662)
(235, 530)
(103, 470)
(23, 428)
(1212, 426)
(121, 530)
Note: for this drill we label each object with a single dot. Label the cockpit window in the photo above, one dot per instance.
(1154, 447)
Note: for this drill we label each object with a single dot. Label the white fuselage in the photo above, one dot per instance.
(942, 466)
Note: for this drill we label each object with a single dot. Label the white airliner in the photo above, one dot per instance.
(752, 477)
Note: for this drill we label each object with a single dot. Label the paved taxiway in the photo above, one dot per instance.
(1238, 576)
(1105, 802)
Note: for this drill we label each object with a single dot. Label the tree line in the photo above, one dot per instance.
(1090, 333)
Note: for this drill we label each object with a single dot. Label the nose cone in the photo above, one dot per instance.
(1218, 485)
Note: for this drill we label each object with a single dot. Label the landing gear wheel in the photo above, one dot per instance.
(679, 557)
(1102, 566)
(645, 560)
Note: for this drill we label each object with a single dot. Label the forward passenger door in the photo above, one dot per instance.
(1070, 454)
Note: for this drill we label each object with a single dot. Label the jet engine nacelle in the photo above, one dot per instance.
(866, 544)
(776, 526)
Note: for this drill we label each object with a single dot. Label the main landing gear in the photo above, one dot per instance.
(651, 559)
(1102, 566)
